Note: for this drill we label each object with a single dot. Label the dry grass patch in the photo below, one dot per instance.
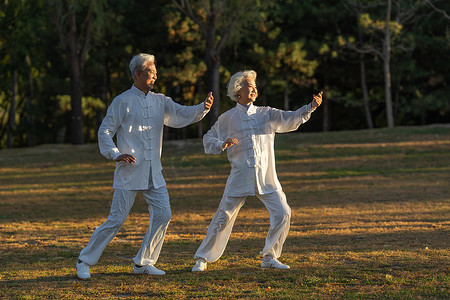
(370, 219)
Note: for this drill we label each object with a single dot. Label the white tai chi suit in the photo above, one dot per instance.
(252, 173)
(137, 121)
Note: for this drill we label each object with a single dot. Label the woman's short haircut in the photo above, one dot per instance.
(139, 61)
(237, 81)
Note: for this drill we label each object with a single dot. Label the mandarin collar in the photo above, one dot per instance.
(251, 108)
(137, 91)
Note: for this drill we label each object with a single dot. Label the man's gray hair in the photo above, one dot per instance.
(237, 81)
(139, 61)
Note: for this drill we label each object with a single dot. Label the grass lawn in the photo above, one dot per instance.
(370, 219)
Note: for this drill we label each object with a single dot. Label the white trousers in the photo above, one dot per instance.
(219, 229)
(160, 214)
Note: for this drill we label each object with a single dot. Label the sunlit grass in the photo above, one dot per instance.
(370, 219)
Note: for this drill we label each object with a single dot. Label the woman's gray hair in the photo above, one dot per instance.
(139, 61)
(237, 81)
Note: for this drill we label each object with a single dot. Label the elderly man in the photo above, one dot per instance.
(247, 132)
(137, 117)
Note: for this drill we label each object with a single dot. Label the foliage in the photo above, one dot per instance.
(91, 108)
(295, 46)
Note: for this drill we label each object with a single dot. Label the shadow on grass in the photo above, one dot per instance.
(359, 260)
(86, 202)
(238, 248)
(43, 279)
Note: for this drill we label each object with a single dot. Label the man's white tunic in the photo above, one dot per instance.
(137, 121)
(253, 159)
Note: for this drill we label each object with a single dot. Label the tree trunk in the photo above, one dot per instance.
(103, 93)
(10, 126)
(76, 118)
(264, 97)
(362, 66)
(214, 43)
(2, 121)
(216, 92)
(200, 129)
(396, 103)
(76, 46)
(386, 65)
(182, 101)
(326, 116)
(166, 133)
(200, 123)
(31, 133)
(286, 97)
(213, 67)
(326, 123)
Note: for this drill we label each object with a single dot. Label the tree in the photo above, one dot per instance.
(75, 37)
(295, 55)
(386, 55)
(424, 77)
(357, 8)
(313, 25)
(218, 21)
(386, 36)
(287, 63)
(19, 35)
(185, 69)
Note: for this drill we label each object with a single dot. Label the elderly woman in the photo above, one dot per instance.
(247, 132)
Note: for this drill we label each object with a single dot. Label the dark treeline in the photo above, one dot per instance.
(379, 63)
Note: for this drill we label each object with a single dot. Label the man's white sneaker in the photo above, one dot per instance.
(200, 265)
(149, 269)
(274, 263)
(83, 270)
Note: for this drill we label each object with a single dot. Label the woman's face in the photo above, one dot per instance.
(248, 92)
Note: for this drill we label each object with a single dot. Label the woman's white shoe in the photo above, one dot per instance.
(200, 265)
(83, 270)
(274, 263)
(149, 269)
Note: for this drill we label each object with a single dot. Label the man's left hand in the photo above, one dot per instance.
(209, 101)
(317, 100)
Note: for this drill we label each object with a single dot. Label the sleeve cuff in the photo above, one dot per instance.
(115, 155)
(219, 145)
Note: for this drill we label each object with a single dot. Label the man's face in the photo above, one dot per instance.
(248, 93)
(146, 78)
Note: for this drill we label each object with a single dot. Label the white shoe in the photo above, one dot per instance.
(200, 265)
(274, 263)
(83, 270)
(149, 269)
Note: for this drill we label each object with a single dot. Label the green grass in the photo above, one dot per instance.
(370, 219)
